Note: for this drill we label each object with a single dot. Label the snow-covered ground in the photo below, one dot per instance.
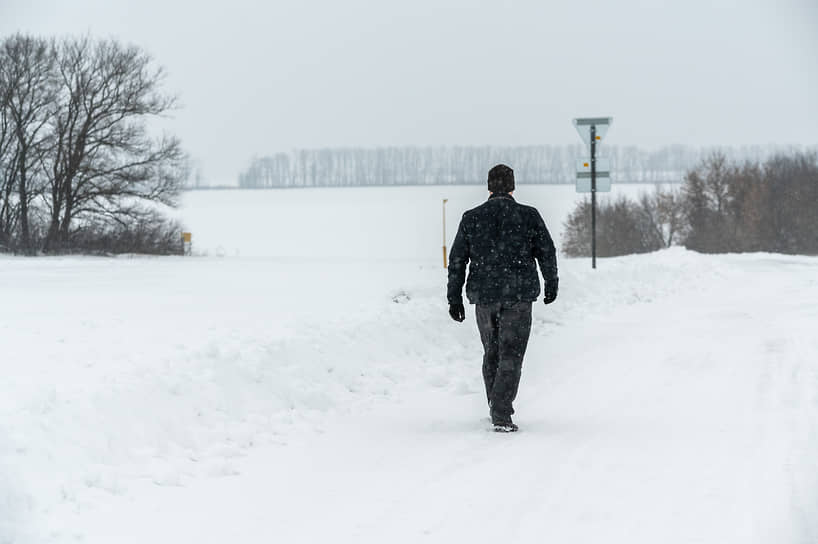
(309, 386)
(369, 223)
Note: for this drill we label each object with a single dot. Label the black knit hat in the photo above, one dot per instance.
(501, 179)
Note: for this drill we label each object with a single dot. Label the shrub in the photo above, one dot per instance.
(623, 227)
(753, 207)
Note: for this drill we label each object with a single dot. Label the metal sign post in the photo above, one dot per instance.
(591, 130)
(593, 196)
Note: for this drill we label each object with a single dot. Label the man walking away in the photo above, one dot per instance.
(501, 240)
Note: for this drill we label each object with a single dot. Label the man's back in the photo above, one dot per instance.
(501, 239)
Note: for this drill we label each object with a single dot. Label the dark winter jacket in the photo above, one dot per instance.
(501, 239)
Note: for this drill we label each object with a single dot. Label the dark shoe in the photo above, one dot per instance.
(503, 424)
(507, 427)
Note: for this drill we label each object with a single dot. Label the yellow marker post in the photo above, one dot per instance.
(186, 243)
(445, 263)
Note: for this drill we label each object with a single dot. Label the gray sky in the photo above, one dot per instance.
(256, 77)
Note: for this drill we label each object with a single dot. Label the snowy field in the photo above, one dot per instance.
(366, 223)
(301, 381)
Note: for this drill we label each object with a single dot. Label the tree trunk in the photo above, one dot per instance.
(52, 240)
(65, 225)
(25, 235)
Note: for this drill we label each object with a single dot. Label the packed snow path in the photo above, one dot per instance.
(665, 398)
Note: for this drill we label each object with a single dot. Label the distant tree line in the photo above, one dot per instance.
(79, 170)
(460, 165)
(721, 207)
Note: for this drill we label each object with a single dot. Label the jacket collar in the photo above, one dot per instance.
(501, 195)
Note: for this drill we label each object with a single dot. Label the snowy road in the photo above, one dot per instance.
(665, 398)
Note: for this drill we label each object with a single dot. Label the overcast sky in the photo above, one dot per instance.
(257, 77)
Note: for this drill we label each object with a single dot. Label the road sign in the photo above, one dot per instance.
(603, 175)
(598, 174)
(603, 184)
(584, 124)
(603, 167)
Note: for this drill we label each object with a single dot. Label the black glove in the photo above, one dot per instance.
(457, 311)
(551, 287)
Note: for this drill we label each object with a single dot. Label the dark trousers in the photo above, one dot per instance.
(504, 330)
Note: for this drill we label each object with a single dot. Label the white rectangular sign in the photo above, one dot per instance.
(603, 184)
(603, 165)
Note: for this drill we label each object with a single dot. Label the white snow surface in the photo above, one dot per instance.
(309, 386)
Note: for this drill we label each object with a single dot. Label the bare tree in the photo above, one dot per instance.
(716, 181)
(670, 208)
(663, 213)
(104, 163)
(791, 197)
(27, 75)
(749, 195)
(8, 165)
(75, 150)
(706, 196)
